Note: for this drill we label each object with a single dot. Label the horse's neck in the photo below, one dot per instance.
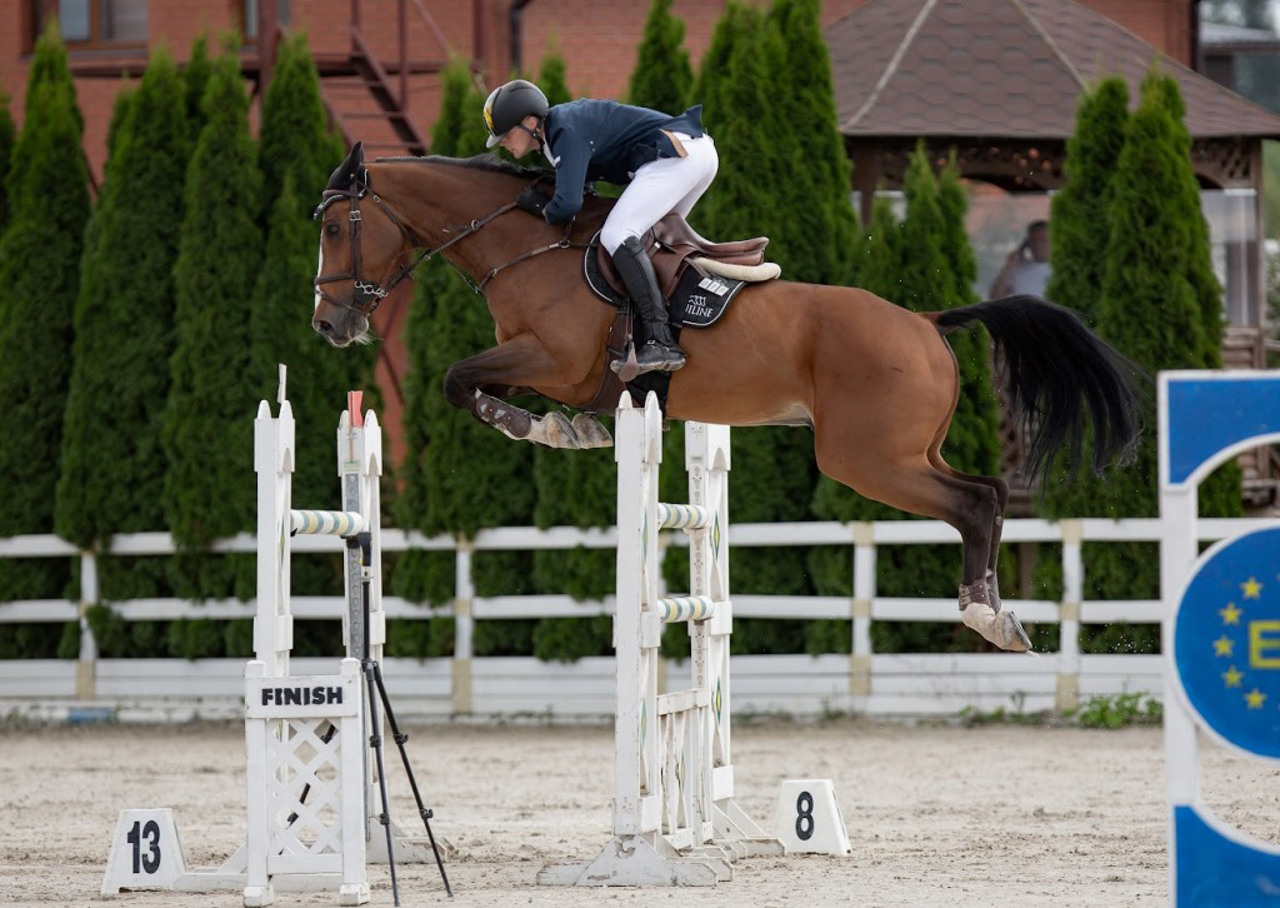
(437, 201)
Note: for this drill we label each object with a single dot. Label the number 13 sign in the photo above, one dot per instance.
(145, 852)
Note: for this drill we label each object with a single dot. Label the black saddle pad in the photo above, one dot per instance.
(699, 300)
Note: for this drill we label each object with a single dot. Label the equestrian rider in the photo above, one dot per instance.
(666, 164)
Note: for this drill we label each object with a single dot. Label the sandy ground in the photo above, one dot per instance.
(937, 815)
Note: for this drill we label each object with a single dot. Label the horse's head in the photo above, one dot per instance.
(361, 251)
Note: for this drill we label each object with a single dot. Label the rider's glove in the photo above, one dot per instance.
(533, 200)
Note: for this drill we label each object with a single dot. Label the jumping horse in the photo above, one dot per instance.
(876, 383)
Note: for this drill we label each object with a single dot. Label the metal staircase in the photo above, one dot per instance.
(367, 87)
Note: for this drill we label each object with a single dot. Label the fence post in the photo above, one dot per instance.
(463, 628)
(87, 664)
(864, 590)
(1068, 690)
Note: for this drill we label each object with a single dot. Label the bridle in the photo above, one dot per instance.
(369, 294)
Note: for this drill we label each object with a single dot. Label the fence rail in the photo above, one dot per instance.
(862, 681)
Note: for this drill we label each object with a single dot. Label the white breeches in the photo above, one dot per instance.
(659, 188)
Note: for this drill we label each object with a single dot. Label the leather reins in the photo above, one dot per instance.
(368, 294)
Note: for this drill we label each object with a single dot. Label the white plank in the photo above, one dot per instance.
(885, 608)
(963, 663)
(1099, 611)
(36, 545)
(542, 606)
(969, 687)
(892, 705)
(792, 607)
(38, 611)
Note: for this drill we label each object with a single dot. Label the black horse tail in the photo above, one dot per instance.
(1052, 364)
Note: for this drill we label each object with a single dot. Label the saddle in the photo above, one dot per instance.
(697, 277)
(673, 245)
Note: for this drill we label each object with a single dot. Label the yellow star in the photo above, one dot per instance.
(1252, 588)
(1254, 698)
(1231, 677)
(1222, 646)
(1231, 614)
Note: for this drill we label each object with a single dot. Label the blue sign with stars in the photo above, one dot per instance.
(1226, 641)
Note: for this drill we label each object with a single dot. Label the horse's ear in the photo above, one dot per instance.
(350, 170)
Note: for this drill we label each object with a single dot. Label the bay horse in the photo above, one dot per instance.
(876, 383)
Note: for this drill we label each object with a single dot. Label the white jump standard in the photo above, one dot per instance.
(312, 819)
(674, 818)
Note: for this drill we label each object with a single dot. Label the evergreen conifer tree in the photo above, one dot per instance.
(879, 269)
(208, 421)
(821, 210)
(733, 79)
(195, 77)
(662, 78)
(553, 78)
(8, 136)
(1199, 264)
(1078, 212)
(40, 254)
(113, 466)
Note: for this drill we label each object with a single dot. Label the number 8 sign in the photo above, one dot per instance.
(145, 852)
(808, 818)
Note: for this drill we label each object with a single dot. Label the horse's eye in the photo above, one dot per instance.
(332, 229)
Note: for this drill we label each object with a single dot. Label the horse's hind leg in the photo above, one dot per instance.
(1001, 489)
(918, 486)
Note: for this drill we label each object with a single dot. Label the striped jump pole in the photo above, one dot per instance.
(675, 821)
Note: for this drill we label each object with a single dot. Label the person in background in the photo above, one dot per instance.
(1026, 270)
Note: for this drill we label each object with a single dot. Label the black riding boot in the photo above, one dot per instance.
(656, 349)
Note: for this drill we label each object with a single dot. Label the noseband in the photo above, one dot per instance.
(368, 295)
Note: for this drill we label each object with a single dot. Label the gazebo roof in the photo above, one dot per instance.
(1002, 69)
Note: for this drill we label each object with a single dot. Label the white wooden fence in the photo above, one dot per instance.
(861, 682)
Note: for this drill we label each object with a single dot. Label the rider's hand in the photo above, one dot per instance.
(533, 200)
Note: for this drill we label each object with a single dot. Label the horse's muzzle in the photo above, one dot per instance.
(339, 326)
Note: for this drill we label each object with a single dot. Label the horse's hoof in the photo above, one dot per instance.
(1003, 629)
(555, 431)
(591, 432)
(1014, 637)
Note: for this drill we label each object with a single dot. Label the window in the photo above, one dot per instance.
(284, 13)
(96, 22)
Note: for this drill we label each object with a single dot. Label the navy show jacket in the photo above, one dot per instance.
(604, 140)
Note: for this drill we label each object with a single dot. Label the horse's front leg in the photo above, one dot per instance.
(518, 363)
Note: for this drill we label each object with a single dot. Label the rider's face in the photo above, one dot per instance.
(519, 142)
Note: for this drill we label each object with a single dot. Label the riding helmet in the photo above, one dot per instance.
(508, 104)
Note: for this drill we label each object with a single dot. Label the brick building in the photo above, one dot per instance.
(108, 38)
